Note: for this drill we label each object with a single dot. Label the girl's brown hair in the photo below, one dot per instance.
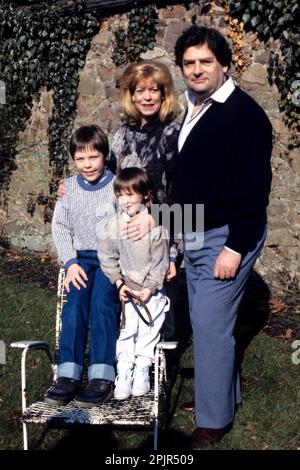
(134, 180)
(162, 78)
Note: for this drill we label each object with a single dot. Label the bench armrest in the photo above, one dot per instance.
(29, 345)
(167, 345)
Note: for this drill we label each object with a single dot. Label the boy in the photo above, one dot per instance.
(80, 218)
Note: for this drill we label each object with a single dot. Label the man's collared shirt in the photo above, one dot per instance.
(220, 95)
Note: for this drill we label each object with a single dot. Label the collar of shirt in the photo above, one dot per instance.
(189, 122)
(126, 217)
(220, 95)
(147, 128)
(106, 177)
(102, 178)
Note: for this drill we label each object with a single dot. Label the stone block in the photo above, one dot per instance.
(281, 237)
(254, 77)
(173, 31)
(157, 54)
(176, 11)
(89, 82)
(294, 157)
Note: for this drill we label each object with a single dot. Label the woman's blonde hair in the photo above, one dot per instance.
(161, 77)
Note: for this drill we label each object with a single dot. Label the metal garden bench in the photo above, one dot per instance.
(135, 411)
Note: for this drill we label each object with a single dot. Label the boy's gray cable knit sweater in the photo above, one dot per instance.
(82, 215)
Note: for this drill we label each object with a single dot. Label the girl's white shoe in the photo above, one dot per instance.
(141, 381)
(123, 383)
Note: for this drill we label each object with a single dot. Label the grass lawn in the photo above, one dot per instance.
(268, 419)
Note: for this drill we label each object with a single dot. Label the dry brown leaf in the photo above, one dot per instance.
(287, 335)
(276, 306)
(249, 427)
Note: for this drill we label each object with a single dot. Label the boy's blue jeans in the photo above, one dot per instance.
(94, 309)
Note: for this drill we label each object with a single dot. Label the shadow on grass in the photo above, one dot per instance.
(107, 439)
(252, 315)
(251, 318)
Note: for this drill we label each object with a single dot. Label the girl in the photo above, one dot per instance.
(140, 268)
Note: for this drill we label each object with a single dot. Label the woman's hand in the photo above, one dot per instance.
(76, 276)
(61, 191)
(171, 271)
(139, 225)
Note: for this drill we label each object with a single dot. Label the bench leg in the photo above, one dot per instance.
(155, 435)
(25, 438)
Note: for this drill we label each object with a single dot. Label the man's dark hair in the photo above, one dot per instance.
(199, 35)
(89, 136)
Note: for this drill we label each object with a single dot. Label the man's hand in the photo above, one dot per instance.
(76, 276)
(227, 264)
(139, 225)
(171, 271)
(61, 190)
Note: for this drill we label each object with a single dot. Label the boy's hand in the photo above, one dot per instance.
(61, 190)
(145, 294)
(171, 271)
(139, 225)
(76, 276)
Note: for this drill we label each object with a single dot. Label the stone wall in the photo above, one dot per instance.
(98, 103)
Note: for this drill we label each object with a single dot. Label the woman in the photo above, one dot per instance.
(147, 140)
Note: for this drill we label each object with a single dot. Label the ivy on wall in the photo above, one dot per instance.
(277, 19)
(140, 35)
(41, 47)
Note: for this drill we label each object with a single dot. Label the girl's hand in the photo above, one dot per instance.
(76, 276)
(171, 271)
(139, 225)
(145, 294)
(122, 295)
(61, 191)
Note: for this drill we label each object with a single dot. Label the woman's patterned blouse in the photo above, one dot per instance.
(151, 148)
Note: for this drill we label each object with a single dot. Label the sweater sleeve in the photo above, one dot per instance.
(62, 236)
(249, 181)
(160, 260)
(109, 255)
(170, 150)
(116, 149)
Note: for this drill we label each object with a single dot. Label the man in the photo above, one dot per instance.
(224, 155)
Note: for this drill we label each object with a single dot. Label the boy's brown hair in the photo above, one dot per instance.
(89, 137)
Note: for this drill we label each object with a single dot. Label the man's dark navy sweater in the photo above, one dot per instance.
(225, 165)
